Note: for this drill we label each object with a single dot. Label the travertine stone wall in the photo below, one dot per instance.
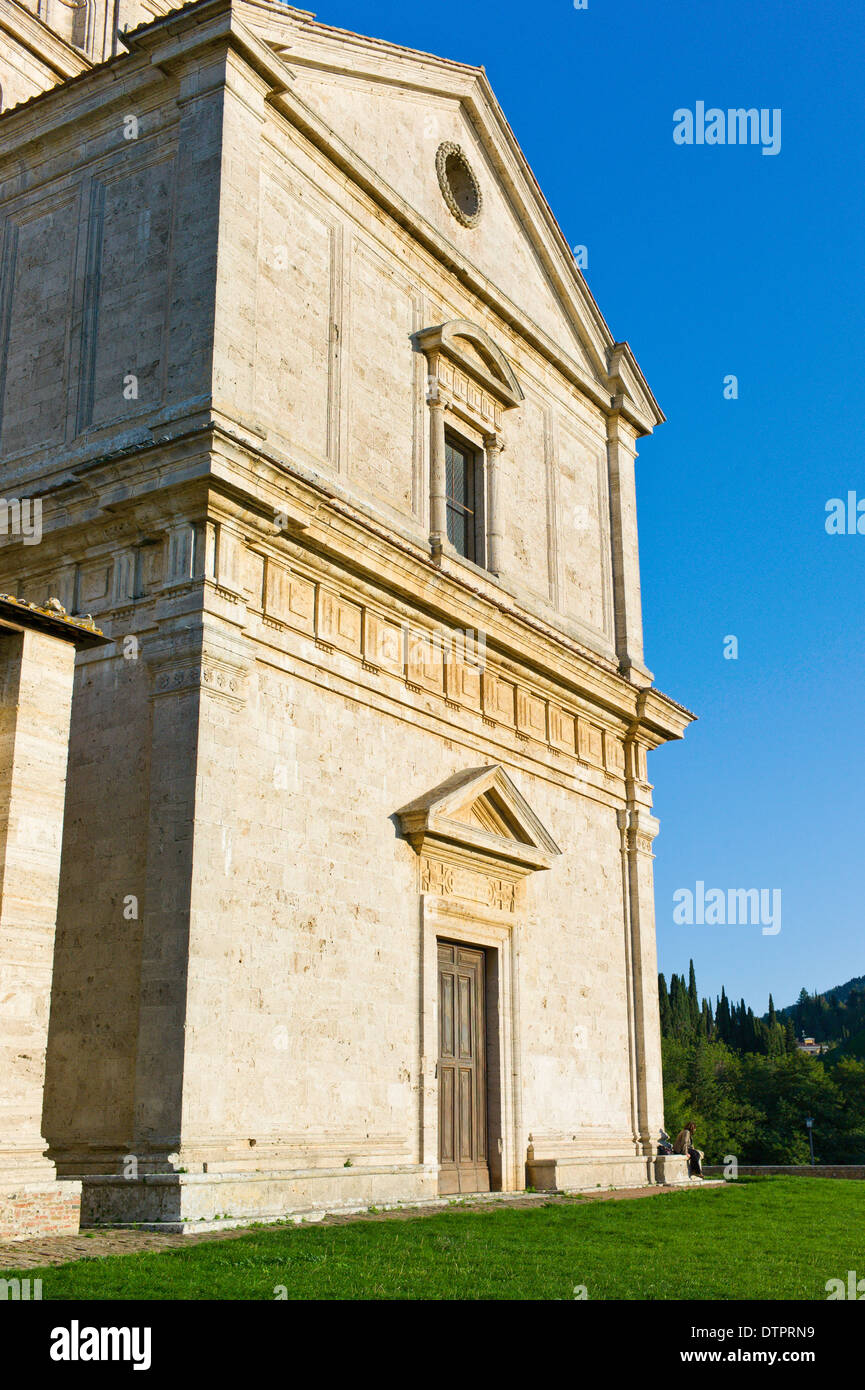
(302, 1013)
(97, 289)
(231, 428)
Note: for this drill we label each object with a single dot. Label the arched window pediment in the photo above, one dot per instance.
(471, 349)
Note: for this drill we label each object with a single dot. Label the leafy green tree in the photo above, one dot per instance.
(747, 1086)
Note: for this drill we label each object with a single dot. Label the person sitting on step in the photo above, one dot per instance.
(685, 1145)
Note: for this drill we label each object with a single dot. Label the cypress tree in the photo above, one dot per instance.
(693, 1000)
(664, 1005)
(722, 1017)
(680, 1012)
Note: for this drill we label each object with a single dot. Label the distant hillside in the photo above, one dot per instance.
(841, 992)
(837, 992)
(835, 1015)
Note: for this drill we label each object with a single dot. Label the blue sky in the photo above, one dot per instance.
(717, 260)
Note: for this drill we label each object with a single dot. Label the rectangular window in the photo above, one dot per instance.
(464, 487)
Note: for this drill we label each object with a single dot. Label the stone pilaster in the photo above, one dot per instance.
(438, 477)
(198, 681)
(638, 829)
(36, 676)
(176, 669)
(621, 454)
(494, 444)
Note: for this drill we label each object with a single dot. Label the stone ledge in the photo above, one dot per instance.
(188, 1202)
(183, 1203)
(587, 1174)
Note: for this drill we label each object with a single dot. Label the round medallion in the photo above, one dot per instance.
(458, 184)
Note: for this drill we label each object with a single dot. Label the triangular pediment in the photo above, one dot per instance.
(490, 814)
(390, 109)
(482, 812)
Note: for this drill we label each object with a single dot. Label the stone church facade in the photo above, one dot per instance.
(333, 443)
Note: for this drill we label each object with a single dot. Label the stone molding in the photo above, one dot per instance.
(226, 680)
(460, 352)
(498, 934)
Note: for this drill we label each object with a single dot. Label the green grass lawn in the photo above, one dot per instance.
(765, 1238)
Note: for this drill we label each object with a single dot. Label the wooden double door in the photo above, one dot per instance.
(462, 1072)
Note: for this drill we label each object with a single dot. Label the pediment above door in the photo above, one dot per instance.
(479, 814)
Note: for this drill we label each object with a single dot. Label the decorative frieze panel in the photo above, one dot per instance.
(532, 716)
(289, 599)
(563, 729)
(185, 552)
(499, 699)
(220, 678)
(462, 388)
(425, 661)
(231, 564)
(215, 675)
(436, 877)
(591, 743)
(151, 567)
(463, 683)
(435, 663)
(614, 754)
(501, 894)
(94, 582)
(123, 591)
(340, 623)
(382, 644)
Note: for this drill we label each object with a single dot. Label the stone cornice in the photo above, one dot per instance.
(662, 715)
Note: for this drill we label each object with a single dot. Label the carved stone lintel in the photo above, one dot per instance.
(469, 885)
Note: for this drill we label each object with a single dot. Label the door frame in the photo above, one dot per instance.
(477, 968)
(497, 935)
